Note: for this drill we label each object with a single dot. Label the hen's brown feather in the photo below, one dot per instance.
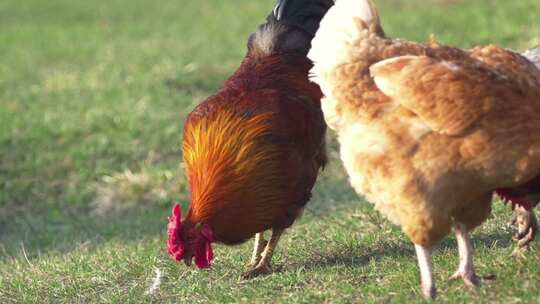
(438, 130)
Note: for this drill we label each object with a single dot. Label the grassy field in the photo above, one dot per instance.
(93, 95)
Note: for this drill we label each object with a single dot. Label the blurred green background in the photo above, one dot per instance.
(93, 95)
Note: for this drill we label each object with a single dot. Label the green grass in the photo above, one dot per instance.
(93, 95)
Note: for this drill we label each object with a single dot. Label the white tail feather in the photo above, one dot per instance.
(338, 29)
(534, 56)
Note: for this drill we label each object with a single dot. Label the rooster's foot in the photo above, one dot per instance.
(257, 255)
(258, 270)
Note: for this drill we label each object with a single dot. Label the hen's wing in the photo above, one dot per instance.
(449, 96)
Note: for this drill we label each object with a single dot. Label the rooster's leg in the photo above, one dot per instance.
(527, 226)
(263, 267)
(260, 243)
(466, 267)
(426, 271)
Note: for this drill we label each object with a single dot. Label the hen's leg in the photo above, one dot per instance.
(258, 248)
(527, 226)
(426, 271)
(466, 267)
(263, 267)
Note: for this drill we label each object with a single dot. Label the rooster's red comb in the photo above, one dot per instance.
(174, 244)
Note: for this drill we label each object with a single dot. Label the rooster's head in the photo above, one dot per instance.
(189, 240)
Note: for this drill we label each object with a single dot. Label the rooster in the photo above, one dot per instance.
(427, 132)
(254, 149)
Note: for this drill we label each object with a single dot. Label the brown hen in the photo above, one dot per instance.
(427, 132)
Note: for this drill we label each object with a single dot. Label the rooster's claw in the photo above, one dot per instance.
(260, 269)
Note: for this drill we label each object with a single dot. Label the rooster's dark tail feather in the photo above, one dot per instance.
(290, 27)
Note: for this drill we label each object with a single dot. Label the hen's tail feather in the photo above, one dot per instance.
(533, 55)
(347, 21)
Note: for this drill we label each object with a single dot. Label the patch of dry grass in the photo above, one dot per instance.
(124, 190)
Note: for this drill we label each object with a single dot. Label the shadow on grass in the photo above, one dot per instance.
(393, 249)
(31, 233)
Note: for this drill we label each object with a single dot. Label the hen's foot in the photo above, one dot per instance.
(429, 292)
(471, 279)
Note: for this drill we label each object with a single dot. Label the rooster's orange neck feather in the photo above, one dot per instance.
(221, 152)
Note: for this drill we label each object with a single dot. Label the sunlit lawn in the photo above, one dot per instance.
(93, 95)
